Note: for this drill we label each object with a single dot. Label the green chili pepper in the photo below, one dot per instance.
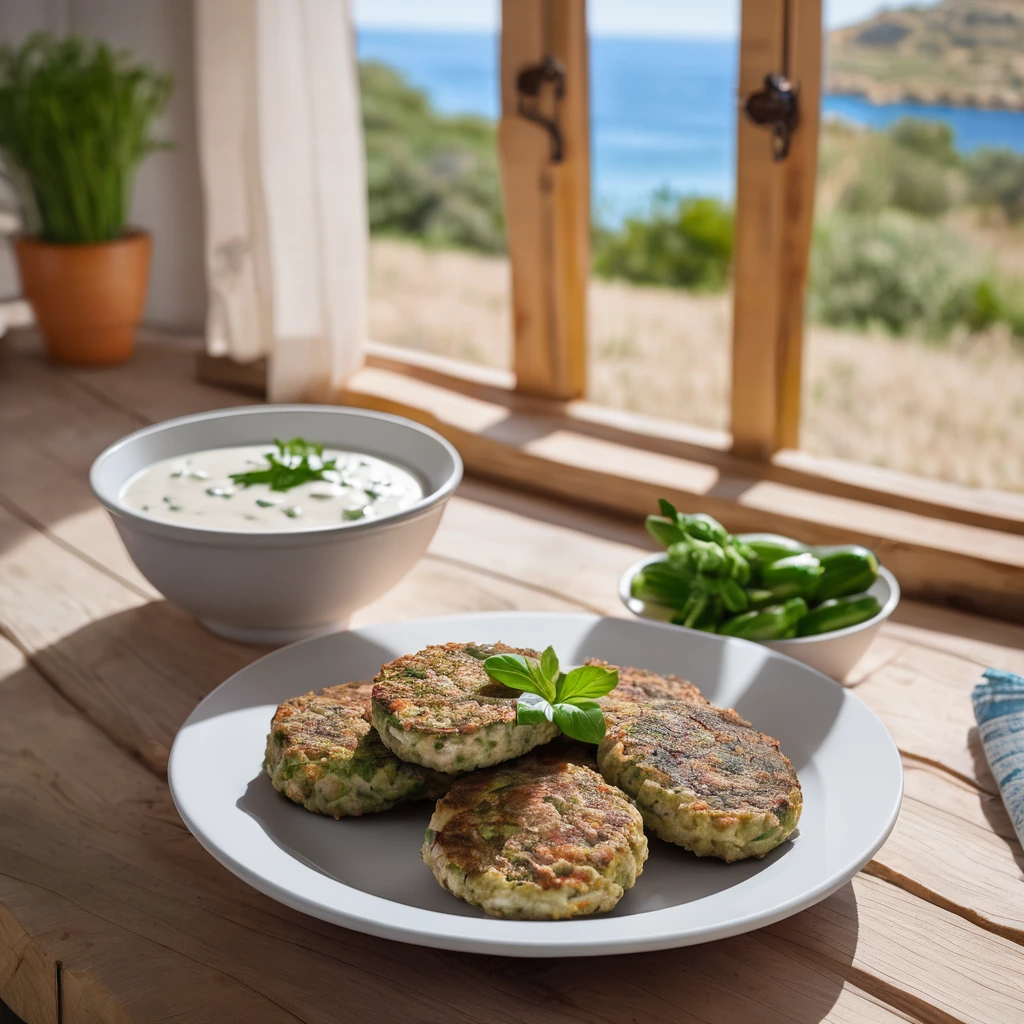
(848, 570)
(698, 556)
(771, 623)
(693, 610)
(738, 568)
(770, 547)
(744, 550)
(734, 597)
(703, 527)
(838, 614)
(660, 583)
(707, 620)
(793, 576)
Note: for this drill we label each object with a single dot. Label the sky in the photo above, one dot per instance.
(701, 18)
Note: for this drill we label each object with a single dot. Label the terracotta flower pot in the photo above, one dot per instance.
(87, 299)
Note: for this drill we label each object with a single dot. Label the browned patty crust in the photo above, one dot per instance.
(639, 684)
(541, 837)
(702, 776)
(323, 753)
(438, 707)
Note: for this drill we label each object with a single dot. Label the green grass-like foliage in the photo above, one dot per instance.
(682, 242)
(75, 122)
(429, 176)
(906, 275)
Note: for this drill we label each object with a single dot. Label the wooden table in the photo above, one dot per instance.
(110, 911)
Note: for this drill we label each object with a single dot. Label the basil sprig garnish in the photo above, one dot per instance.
(550, 695)
(289, 466)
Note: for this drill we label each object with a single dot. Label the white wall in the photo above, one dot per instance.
(168, 198)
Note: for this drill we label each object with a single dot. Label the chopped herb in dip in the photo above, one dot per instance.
(287, 485)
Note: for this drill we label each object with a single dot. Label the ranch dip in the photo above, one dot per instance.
(291, 485)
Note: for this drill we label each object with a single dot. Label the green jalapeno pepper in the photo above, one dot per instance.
(707, 620)
(660, 583)
(792, 576)
(770, 547)
(774, 622)
(703, 527)
(838, 613)
(758, 597)
(847, 570)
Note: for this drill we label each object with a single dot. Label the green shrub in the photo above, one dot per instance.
(918, 185)
(905, 275)
(932, 140)
(910, 167)
(997, 179)
(75, 121)
(681, 242)
(890, 270)
(429, 177)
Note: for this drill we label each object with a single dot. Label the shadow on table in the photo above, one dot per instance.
(7, 1016)
(992, 805)
(139, 673)
(794, 970)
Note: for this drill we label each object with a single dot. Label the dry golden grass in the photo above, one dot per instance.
(954, 413)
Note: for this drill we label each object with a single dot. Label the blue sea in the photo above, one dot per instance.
(663, 111)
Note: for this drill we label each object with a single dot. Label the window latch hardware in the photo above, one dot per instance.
(776, 105)
(529, 83)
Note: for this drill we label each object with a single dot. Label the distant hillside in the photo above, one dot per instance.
(966, 53)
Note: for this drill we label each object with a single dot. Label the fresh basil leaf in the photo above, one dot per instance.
(532, 709)
(587, 681)
(585, 724)
(514, 670)
(545, 684)
(668, 509)
(549, 663)
(585, 703)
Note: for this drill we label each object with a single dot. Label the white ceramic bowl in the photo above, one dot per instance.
(276, 587)
(833, 653)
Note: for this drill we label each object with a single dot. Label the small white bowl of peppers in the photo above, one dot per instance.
(821, 605)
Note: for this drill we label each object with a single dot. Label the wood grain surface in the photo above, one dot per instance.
(110, 911)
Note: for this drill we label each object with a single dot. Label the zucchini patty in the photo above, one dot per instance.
(540, 838)
(639, 684)
(323, 753)
(701, 776)
(439, 708)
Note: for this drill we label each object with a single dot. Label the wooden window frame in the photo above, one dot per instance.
(529, 426)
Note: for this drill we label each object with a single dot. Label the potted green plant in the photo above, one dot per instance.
(75, 122)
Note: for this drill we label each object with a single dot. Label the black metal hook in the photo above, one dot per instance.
(529, 83)
(777, 105)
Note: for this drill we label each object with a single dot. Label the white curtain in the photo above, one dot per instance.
(282, 162)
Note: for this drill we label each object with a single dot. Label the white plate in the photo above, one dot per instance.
(366, 873)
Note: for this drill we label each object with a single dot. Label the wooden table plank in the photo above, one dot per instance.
(107, 973)
(955, 846)
(923, 695)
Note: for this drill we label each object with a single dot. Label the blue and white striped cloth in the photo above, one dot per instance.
(999, 709)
